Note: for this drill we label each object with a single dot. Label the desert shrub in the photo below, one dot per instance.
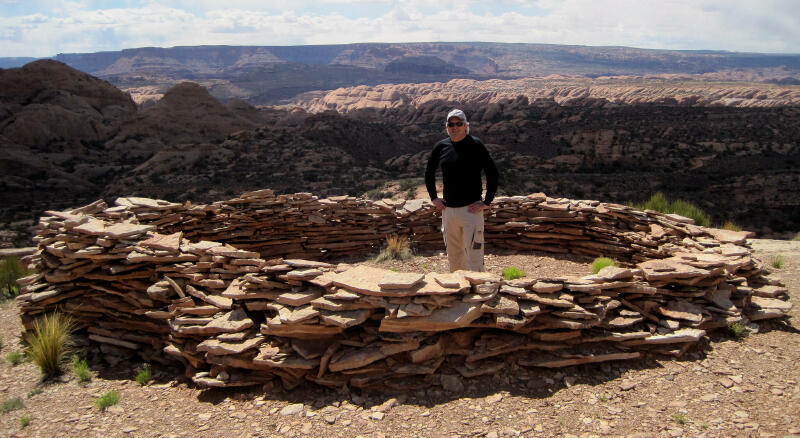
(11, 269)
(107, 400)
(144, 376)
(776, 261)
(659, 202)
(408, 184)
(81, 369)
(14, 358)
(513, 272)
(25, 420)
(376, 194)
(11, 405)
(796, 237)
(687, 209)
(49, 342)
(600, 263)
(33, 392)
(737, 330)
(397, 248)
(680, 418)
(731, 226)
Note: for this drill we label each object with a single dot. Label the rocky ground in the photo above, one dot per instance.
(728, 387)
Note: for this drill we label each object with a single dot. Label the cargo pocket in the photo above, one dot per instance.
(477, 239)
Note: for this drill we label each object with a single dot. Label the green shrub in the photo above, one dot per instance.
(33, 392)
(513, 272)
(687, 209)
(144, 375)
(14, 358)
(680, 418)
(397, 248)
(107, 400)
(11, 405)
(776, 261)
(600, 263)
(11, 269)
(49, 342)
(25, 420)
(376, 194)
(81, 369)
(659, 202)
(408, 184)
(737, 330)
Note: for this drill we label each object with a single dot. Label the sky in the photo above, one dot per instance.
(32, 28)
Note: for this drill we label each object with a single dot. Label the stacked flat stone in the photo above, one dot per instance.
(300, 225)
(95, 271)
(143, 277)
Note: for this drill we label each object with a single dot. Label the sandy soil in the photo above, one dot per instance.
(725, 388)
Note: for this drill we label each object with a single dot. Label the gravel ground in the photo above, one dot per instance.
(725, 388)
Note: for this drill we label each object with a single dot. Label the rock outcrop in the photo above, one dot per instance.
(186, 113)
(564, 90)
(47, 101)
(221, 289)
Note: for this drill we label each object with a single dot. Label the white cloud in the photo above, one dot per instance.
(78, 26)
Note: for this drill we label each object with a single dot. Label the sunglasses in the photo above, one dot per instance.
(451, 124)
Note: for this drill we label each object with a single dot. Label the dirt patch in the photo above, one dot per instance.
(727, 387)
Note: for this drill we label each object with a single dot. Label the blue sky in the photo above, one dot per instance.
(45, 28)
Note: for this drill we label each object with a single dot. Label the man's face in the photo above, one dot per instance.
(456, 129)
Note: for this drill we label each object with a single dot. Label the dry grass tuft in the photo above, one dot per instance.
(49, 342)
(397, 248)
(730, 226)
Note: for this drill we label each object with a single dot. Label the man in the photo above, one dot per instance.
(462, 157)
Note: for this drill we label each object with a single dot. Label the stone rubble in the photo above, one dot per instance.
(240, 291)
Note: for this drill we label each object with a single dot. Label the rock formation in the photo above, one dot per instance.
(185, 113)
(222, 288)
(563, 90)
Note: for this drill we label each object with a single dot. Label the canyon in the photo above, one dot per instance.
(721, 130)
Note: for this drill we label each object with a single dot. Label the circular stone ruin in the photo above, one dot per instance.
(244, 291)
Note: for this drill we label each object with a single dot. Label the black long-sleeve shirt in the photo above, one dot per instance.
(461, 163)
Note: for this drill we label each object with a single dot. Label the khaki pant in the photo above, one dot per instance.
(463, 237)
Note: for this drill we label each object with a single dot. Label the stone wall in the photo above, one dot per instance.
(246, 290)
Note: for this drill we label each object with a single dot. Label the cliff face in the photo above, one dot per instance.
(502, 59)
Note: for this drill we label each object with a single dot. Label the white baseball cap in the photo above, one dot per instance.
(456, 113)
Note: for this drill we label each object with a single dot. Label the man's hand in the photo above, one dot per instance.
(439, 204)
(477, 207)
